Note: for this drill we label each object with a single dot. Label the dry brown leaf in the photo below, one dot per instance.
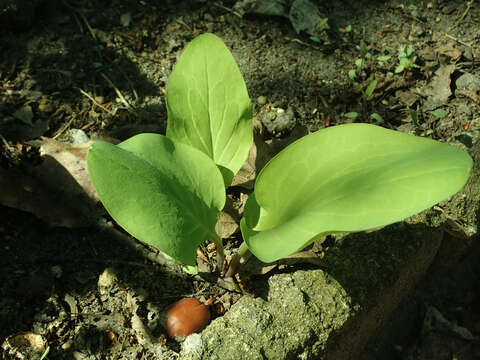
(470, 94)
(73, 159)
(58, 191)
(23, 192)
(449, 51)
(258, 156)
(27, 345)
(407, 97)
(228, 225)
(438, 90)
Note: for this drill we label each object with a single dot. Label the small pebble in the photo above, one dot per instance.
(77, 136)
(106, 282)
(211, 247)
(45, 106)
(261, 100)
(208, 17)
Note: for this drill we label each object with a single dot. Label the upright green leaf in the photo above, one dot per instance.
(164, 193)
(347, 178)
(208, 104)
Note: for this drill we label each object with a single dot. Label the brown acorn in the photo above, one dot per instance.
(185, 317)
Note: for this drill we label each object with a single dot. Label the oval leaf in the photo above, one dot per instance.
(347, 178)
(166, 194)
(208, 104)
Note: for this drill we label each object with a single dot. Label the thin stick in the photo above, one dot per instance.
(130, 83)
(92, 32)
(119, 94)
(457, 40)
(227, 9)
(220, 255)
(95, 102)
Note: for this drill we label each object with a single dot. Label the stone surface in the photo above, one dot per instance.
(328, 313)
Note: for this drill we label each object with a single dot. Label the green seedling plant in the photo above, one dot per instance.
(439, 113)
(359, 63)
(168, 191)
(322, 25)
(406, 59)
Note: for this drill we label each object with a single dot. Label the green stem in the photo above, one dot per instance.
(242, 249)
(240, 257)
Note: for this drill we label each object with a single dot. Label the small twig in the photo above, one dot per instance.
(63, 128)
(119, 94)
(130, 83)
(92, 32)
(95, 102)
(469, 5)
(429, 27)
(304, 43)
(5, 142)
(181, 22)
(90, 29)
(227, 9)
(457, 40)
(78, 23)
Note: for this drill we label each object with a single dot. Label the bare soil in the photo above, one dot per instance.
(102, 67)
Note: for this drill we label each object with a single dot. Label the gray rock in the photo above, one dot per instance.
(277, 121)
(468, 81)
(328, 313)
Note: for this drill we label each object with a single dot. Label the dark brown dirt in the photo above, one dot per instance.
(102, 66)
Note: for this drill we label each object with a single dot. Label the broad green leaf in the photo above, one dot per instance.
(363, 47)
(370, 88)
(414, 116)
(351, 115)
(377, 117)
(383, 58)
(164, 193)
(208, 104)
(399, 68)
(321, 24)
(347, 178)
(439, 113)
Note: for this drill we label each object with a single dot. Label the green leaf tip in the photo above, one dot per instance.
(208, 104)
(347, 178)
(163, 193)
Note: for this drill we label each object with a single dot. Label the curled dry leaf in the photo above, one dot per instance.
(24, 192)
(438, 90)
(58, 191)
(27, 345)
(228, 225)
(449, 51)
(73, 159)
(258, 156)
